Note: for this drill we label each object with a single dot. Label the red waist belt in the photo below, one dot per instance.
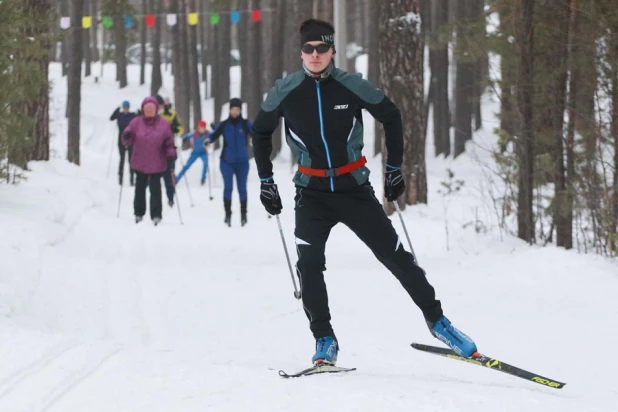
(337, 171)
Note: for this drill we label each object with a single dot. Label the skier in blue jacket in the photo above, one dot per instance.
(198, 142)
(123, 118)
(234, 158)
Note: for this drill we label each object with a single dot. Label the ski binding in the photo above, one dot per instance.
(316, 369)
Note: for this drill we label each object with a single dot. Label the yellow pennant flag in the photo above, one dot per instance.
(86, 22)
(192, 18)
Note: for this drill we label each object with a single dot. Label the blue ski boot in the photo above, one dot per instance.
(459, 342)
(325, 351)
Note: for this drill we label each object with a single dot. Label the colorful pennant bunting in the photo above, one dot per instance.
(172, 19)
(65, 23)
(108, 22)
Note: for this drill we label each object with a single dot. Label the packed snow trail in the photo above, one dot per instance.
(101, 314)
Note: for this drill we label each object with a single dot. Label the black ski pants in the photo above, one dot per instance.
(169, 178)
(122, 150)
(316, 214)
(139, 203)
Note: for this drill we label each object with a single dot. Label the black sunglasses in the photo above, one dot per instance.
(321, 48)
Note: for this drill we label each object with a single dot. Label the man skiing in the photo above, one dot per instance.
(123, 118)
(322, 105)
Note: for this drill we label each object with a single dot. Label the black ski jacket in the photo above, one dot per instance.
(324, 126)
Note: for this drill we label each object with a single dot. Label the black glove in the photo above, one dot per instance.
(269, 196)
(394, 185)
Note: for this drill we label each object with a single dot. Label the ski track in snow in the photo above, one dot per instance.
(39, 384)
(94, 362)
(8, 383)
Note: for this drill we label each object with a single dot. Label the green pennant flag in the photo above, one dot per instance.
(107, 22)
(214, 18)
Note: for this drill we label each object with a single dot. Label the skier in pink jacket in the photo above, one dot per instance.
(152, 141)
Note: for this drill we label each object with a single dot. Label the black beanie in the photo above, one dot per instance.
(235, 102)
(316, 32)
(160, 100)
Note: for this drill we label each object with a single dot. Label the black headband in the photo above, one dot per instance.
(317, 33)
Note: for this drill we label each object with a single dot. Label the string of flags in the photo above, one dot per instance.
(171, 19)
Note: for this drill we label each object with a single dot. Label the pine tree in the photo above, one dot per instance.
(401, 47)
(25, 36)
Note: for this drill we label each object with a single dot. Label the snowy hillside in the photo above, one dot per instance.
(100, 314)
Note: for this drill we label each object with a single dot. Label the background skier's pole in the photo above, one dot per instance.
(209, 184)
(109, 162)
(182, 164)
(119, 198)
(178, 206)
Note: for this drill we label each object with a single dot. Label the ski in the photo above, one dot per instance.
(316, 369)
(482, 360)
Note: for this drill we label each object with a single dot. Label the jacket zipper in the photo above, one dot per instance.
(330, 166)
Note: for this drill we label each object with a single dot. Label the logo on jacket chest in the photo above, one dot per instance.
(341, 106)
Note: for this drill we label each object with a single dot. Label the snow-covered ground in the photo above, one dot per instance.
(100, 314)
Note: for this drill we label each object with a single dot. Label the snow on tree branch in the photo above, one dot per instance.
(410, 22)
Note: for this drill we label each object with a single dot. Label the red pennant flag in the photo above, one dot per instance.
(150, 20)
(256, 15)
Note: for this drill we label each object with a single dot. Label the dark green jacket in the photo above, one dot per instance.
(324, 126)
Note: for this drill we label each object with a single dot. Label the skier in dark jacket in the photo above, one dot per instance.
(322, 105)
(234, 158)
(123, 118)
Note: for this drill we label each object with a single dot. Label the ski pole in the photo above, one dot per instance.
(109, 162)
(119, 198)
(182, 164)
(405, 230)
(178, 207)
(287, 256)
(209, 184)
